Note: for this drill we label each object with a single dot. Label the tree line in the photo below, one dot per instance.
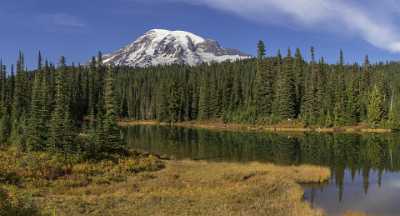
(265, 90)
(47, 108)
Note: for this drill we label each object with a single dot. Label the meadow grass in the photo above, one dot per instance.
(43, 184)
(195, 188)
(354, 213)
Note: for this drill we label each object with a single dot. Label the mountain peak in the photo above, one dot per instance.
(163, 47)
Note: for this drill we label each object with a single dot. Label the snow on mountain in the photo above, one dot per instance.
(163, 47)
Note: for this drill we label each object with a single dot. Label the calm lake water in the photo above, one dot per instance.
(365, 168)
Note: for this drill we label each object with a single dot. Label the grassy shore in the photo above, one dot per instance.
(202, 188)
(284, 127)
(41, 184)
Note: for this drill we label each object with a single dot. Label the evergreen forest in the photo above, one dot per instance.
(46, 108)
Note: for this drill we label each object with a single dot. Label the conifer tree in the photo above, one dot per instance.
(36, 140)
(260, 50)
(204, 108)
(375, 107)
(38, 121)
(300, 79)
(5, 126)
(20, 104)
(353, 106)
(113, 143)
(227, 94)
(320, 107)
(163, 107)
(287, 90)
(237, 94)
(100, 137)
(40, 61)
(214, 97)
(340, 93)
(3, 85)
(91, 89)
(313, 106)
(263, 83)
(4, 107)
(174, 102)
(394, 111)
(61, 130)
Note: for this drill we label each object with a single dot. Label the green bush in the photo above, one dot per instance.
(45, 165)
(11, 178)
(13, 204)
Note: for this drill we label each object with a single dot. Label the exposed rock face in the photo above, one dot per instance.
(163, 47)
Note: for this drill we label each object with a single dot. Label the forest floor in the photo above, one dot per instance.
(284, 127)
(40, 184)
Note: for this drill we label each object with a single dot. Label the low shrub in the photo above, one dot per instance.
(14, 204)
(11, 178)
(8, 174)
(42, 165)
(105, 172)
(149, 163)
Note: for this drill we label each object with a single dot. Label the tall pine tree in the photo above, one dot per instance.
(263, 84)
(61, 130)
(287, 90)
(113, 143)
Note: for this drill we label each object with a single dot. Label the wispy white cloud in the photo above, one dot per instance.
(61, 20)
(67, 20)
(369, 21)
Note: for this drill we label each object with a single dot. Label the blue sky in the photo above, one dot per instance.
(80, 28)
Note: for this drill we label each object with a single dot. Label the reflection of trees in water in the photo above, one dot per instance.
(360, 154)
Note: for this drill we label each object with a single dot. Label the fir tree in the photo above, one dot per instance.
(174, 102)
(36, 140)
(61, 130)
(40, 61)
(287, 90)
(300, 79)
(375, 107)
(260, 50)
(340, 93)
(113, 143)
(163, 107)
(263, 84)
(214, 98)
(394, 111)
(227, 94)
(4, 107)
(353, 105)
(20, 104)
(237, 94)
(204, 108)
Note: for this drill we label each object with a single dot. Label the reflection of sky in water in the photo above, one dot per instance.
(380, 199)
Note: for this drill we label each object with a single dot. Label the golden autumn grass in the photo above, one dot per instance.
(352, 213)
(203, 188)
(145, 185)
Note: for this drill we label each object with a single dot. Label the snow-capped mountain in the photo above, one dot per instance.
(162, 47)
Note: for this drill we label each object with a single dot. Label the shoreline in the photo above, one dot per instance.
(220, 126)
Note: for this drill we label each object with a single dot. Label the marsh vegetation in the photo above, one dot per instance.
(145, 185)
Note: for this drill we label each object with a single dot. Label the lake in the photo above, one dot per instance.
(365, 168)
